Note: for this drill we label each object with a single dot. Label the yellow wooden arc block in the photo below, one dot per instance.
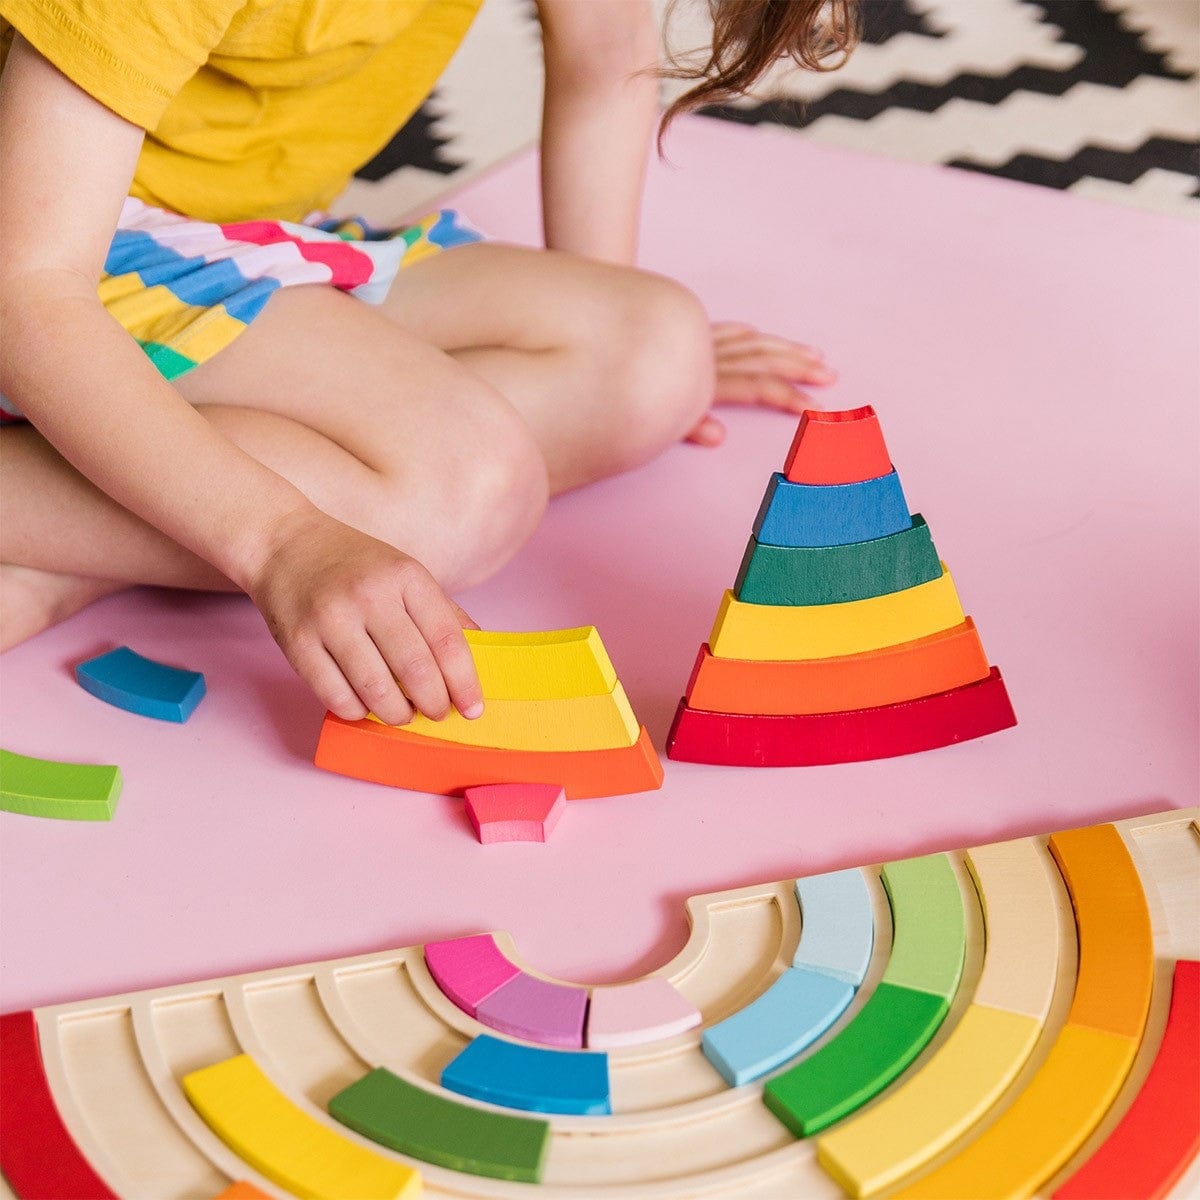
(553, 664)
(292, 1149)
(934, 1106)
(1044, 1125)
(780, 632)
(575, 723)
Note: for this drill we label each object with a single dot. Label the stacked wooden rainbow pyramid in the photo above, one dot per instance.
(843, 638)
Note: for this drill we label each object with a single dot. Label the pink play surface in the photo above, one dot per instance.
(1033, 358)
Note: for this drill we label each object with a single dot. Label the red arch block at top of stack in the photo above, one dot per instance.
(837, 447)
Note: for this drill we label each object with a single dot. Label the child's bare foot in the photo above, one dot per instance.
(32, 600)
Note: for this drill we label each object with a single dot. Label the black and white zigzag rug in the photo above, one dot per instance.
(1101, 97)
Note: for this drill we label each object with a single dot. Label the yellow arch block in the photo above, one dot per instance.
(292, 1149)
(781, 633)
(555, 664)
(577, 723)
(934, 1106)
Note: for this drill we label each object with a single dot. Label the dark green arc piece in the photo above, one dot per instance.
(888, 1032)
(806, 575)
(435, 1129)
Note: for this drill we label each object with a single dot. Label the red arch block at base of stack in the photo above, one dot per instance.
(385, 754)
(816, 739)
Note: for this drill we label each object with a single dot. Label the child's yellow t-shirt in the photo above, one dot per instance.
(252, 108)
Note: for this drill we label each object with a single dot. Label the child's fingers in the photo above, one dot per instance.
(464, 618)
(736, 387)
(709, 431)
(438, 620)
(730, 335)
(373, 674)
(794, 367)
(314, 664)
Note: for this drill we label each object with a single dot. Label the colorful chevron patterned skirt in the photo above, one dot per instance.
(185, 289)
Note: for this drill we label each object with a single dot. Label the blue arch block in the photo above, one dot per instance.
(791, 1014)
(141, 685)
(530, 1078)
(831, 514)
(837, 925)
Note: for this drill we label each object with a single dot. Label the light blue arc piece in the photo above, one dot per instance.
(141, 685)
(530, 1078)
(790, 1015)
(831, 514)
(837, 925)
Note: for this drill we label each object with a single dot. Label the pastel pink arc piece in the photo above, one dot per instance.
(514, 812)
(549, 1014)
(469, 969)
(646, 1010)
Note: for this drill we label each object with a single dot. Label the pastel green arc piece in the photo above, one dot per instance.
(40, 787)
(807, 575)
(435, 1129)
(931, 933)
(886, 1034)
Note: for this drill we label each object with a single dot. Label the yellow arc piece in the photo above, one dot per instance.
(781, 633)
(1044, 1125)
(554, 664)
(576, 723)
(934, 1106)
(292, 1149)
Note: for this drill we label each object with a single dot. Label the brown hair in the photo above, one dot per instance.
(750, 35)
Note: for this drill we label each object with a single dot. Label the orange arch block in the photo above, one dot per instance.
(837, 447)
(938, 663)
(384, 754)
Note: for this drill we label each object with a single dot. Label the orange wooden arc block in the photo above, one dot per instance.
(949, 659)
(837, 447)
(383, 754)
(242, 1190)
(736, 739)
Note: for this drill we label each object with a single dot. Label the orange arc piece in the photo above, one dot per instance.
(242, 1190)
(1159, 1136)
(1116, 948)
(383, 754)
(837, 447)
(940, 662)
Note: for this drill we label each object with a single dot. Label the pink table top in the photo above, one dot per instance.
(1034, 360)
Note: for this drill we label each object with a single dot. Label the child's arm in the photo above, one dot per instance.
(599, 111)
(66, 162)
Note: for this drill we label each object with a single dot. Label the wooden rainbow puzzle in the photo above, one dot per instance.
(843, 637)
(554, 714)
(1011, 1020)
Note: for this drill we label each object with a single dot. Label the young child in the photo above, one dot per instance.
(221, 392)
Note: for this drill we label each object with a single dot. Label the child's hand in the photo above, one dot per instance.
(359, 621)
(757, 368)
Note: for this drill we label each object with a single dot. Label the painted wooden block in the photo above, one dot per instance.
(775, 631)
(530, 1078)
(555, 664)
(535, 1010)
(141, 685)
(927, 910)
(801, 741)
(382, 754)
(837, 447)
(631, 1014)
(806, 575)
(242, 1190)
(37, 1153)
(804, 514)
(884, 1036)
(437, 1129)
(1159, 1136)
(40, 787)
(292, 1149)
(469, 969)
(577, 723)
(940, 662)
(515, 812)
(837, 933)
(776, 1026)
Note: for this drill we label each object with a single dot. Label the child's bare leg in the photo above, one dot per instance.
(608, 365)
(383, 432)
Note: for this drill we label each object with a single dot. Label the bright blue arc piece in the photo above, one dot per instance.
(790, 1015)
(837, 925)
(530, 1078)
(831, 514)
(141, 685)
